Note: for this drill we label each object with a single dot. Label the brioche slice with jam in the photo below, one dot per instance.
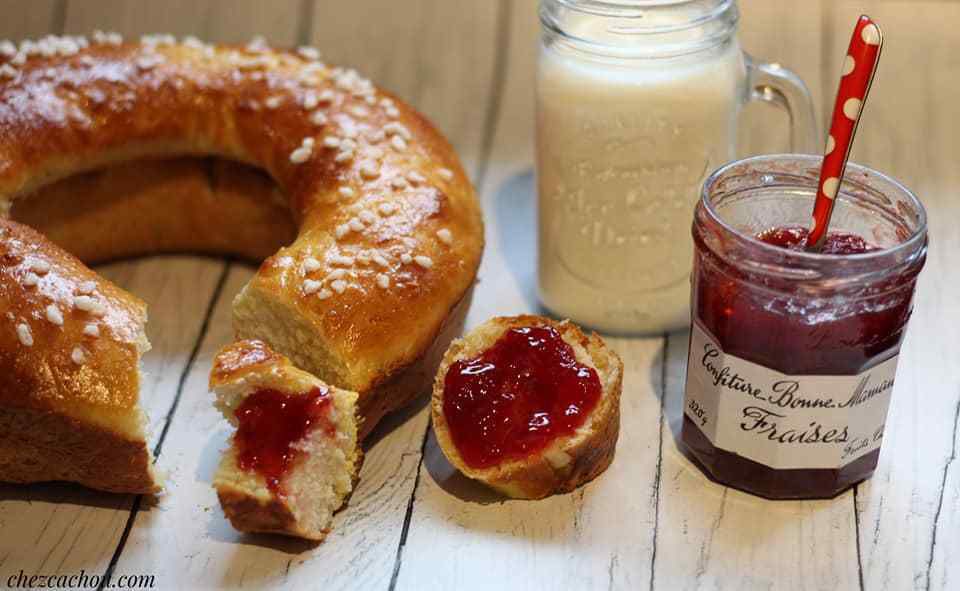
(528, 405)
(294, 458)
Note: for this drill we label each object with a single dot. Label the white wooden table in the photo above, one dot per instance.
(652, 520)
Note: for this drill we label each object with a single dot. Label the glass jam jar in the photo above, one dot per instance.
(636, 103)
(793, 354)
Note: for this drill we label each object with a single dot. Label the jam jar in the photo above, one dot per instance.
(793, 354)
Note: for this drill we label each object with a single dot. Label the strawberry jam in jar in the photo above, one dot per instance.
(793, 354)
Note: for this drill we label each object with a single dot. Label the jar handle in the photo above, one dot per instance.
(772, 83)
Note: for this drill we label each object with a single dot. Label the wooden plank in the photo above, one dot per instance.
(70, 528)
(29, 20)
(574, 539)
(909, 534)
(713, 537)
(187, 527)
(231, 21)
(435, 55)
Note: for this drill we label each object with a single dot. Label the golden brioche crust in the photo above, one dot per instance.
(568, 462)
(37, 277)
(367, 180)
(240, 358)
(68, 398)
(266, 514)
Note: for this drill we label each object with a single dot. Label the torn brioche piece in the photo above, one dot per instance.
(294, 457)
(528, 405)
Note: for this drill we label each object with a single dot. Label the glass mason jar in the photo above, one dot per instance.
(793, 354)
(637, 101)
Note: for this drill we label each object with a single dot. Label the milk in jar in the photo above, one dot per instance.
(628, 127)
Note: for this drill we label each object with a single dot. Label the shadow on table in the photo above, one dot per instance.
(211, 453)
(452, 480)
(668, 386)
(515, 213)
(57, 493)
(220, 530)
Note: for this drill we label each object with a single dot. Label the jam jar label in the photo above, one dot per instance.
(784, 421)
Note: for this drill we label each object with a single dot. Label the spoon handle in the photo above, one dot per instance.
(859, 68)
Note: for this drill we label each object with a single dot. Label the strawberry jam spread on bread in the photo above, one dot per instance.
(528, 405)
(521, 393)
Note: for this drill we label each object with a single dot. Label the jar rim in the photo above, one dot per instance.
(719, 19)
(636, 8)
(914, 242)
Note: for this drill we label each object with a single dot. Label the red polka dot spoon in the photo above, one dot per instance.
(859, 68)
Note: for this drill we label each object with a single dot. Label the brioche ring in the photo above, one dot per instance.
(389, 231)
